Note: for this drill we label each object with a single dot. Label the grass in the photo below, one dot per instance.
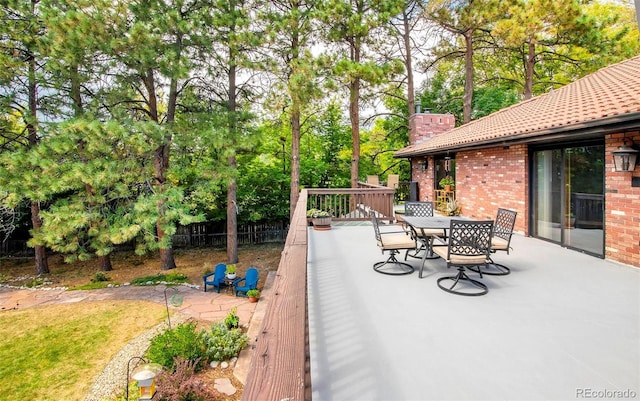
(54, 352)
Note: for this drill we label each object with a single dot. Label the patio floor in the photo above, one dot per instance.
(562, 326)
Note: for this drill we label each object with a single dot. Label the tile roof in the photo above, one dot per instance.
(608, 94)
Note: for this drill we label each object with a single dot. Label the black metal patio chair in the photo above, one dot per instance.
(423, 236)
(392, 242)
(500, 241)
(468, 245)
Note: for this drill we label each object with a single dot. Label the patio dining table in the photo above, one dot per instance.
(420, 224)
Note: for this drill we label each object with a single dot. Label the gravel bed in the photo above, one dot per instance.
(113, 378)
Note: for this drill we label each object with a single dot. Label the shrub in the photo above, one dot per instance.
(182, 385)
(232, 320)
(317, 213)
(100, 277)
(223, 343)
(158, 278)
(183, 341)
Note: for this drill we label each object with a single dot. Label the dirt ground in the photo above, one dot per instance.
(128, 266)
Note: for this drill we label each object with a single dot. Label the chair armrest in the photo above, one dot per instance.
(442, 240)
(394, 232)
(238, 280)
(208, 275)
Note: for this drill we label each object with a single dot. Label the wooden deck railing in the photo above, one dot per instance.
(280, 361)
(352, 204)
(280, 365)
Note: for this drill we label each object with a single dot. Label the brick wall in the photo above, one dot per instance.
(622, 207)
(423, 178)
(499, 177)
(424, 126)
(491, 178)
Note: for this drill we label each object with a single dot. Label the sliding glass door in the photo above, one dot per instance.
(568, 196)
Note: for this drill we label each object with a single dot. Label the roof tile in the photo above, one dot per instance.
(611, 91)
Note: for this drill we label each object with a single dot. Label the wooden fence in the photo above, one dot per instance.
(206, 234)
(192, 236)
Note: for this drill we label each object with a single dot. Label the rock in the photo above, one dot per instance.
(224, 365)
(224, 386)
(214, 364)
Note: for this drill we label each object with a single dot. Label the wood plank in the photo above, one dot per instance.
(279, 362)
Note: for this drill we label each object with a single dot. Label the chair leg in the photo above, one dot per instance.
(462, 278)
(424, 259)
(426, 245)
(400, 267)
(416, 251)
(491, 269)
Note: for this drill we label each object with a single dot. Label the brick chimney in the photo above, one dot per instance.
(424, 125)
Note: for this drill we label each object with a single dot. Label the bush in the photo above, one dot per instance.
(183, 341)
(100, 277)
(182, 385)
(223, 343)
(175, 278)
(232, 320)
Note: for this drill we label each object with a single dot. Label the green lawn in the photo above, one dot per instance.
(55, 352)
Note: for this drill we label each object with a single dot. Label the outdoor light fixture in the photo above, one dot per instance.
(447, 164)
(624, 158)
(145, 375)
(422, 164)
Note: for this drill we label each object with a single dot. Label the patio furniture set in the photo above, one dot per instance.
(463, 243)
(241, 285)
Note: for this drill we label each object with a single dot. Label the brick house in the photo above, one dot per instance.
(549, 158)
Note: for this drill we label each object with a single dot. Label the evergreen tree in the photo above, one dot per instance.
(22, 77)
(352, 26)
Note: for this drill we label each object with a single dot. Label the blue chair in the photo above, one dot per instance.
(250, 282)
(215, 279)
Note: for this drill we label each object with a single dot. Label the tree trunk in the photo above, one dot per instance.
(232, 205)
(354, 116)
(167, 261)
(232, 217)
(105, 263)
(160, 166)
(468, 76)
(295, 132)
(42, 264)
(295, 161)
(40, 252)
(406, 38)
(529, 65)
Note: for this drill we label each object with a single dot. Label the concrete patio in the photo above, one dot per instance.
(562, 326)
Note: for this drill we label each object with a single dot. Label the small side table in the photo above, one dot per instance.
(228, 282)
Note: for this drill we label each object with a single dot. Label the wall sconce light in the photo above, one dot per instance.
(422, 165)
(624, 158)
